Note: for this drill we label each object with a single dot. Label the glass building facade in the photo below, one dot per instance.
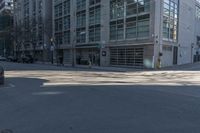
(118, 32)
(62, 22)
(129, 19)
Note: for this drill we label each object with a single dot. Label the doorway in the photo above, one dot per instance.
(175, 55)
(86, 55)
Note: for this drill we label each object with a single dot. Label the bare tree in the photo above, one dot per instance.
(7, 31)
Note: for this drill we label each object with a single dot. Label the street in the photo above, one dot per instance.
(49, 99)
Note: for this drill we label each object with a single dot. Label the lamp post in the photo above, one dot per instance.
(44, 51)
(73, 53)
(192, 50)
(4, 47)
(52, 49)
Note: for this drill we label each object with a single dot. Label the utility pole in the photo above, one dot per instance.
(52, 49)
(73, 51)
(4, 47)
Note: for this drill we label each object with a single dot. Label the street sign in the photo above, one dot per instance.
(104, 53)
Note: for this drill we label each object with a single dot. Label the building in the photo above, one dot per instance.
(126, 33)
(196, 51)
(6, 39)
(6, 25)
(33, 28)
(6, 5)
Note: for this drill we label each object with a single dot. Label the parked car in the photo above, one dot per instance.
(10, 58)
(27, 59)
(2, 58)
(1, 75)
(15, 59)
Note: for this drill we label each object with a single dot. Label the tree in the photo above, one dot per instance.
(6, 32)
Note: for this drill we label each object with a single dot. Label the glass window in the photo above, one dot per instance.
(131, 27)
(59, 39)
(136, 22)
(94, 15)
(94, 33)
(81, 19)
(66, 23)
(137, 6)
(198, 12)
(66, 37)
(93, 2)
(116, 9)
(81, 35)
(170, 20)
(80, 5)
(66, 6)
(58, 25)
(117, 30)
(143, 26)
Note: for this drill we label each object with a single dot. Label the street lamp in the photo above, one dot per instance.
(52, 49)
(43, 51)
(73, 52)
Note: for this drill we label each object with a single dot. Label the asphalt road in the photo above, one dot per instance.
(50, 99)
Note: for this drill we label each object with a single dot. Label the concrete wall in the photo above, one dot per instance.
(167, 55)
(186, 34)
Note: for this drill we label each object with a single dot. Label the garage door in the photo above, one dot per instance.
(127, 57)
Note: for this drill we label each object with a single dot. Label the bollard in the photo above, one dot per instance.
(158, 65)
(90, 64)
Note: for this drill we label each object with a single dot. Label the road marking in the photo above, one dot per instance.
(48, 93)
(12, 85)
(47, 85)
(7, 86)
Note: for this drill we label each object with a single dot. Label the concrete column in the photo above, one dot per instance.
(87, 21)
(158, 30)
(105, 32)
(73, 31)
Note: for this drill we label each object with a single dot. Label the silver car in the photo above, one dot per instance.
(2, 58)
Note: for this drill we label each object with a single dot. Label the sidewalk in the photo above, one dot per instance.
(125, 69)
(115, 69)
(188, 66)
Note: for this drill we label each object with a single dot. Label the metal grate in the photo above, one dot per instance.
(127, 57)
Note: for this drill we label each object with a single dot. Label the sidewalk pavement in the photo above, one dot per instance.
(110, 68)
(188, 66)
(124, 69)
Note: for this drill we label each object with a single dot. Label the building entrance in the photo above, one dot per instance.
(87, 56)
(175, 56)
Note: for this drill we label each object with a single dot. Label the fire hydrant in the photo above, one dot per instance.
(90, 64)
(158, 65)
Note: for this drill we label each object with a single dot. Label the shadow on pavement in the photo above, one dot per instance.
(31, 107)
(27, 67)
(32, 67)
(99, 109)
